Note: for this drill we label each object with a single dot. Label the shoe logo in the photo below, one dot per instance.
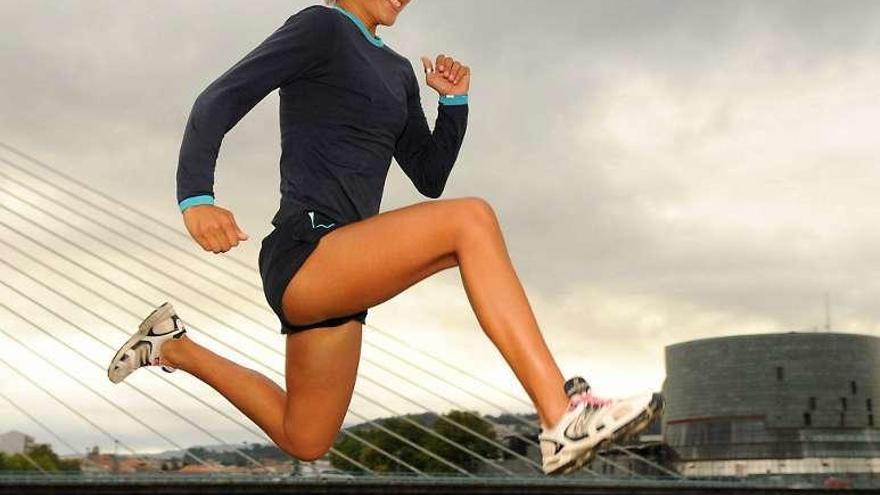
(578, 429)
(575, 438)
(312, 217)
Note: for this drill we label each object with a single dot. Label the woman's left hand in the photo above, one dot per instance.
(447, 75)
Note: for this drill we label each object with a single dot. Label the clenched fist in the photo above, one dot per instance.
(447, 75)
(214, 228)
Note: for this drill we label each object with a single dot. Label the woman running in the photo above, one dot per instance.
(348, 104)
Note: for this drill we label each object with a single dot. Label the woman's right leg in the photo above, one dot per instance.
(364, 263)
(321, 369)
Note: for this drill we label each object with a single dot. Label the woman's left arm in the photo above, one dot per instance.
(427, 157)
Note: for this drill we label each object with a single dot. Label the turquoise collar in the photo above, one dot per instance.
(372, 39)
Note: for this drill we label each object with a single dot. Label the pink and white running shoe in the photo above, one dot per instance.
(142, 349)
(592, 422)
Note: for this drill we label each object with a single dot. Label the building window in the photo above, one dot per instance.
(812, 403)
(779, 373)
(807, 419)
(843, 403)
(870, 420)
(868, 403)
(852, 386)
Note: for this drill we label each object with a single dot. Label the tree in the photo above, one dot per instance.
(404, 427)
(43, 455)
(378, 461)
(458, 434)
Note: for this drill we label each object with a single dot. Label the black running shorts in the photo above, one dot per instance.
(283, 251)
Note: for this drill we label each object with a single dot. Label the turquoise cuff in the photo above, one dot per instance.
(204, 199)
(454, 99)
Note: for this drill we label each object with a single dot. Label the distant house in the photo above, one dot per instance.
(15, 442)
(109, 463)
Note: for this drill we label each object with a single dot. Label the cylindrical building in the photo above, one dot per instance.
(773, 403)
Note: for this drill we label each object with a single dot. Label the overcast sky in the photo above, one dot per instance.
(662, 171)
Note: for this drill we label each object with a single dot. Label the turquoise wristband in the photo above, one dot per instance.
(454, 99)
(204, 199)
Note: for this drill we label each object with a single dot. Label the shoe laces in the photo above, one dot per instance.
(589, 399)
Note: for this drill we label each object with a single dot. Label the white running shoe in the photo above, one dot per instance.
(592, 422)
(142, 349)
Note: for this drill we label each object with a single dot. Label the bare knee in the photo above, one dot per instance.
(310, 453)
(477, 207)
(476, 216)
(305, 450)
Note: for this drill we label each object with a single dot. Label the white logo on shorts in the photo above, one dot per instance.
(312, 216)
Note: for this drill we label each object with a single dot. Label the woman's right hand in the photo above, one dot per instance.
(213, 227)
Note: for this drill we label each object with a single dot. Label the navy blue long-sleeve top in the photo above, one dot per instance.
(348, 103)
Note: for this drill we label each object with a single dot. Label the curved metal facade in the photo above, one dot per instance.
(773, 396)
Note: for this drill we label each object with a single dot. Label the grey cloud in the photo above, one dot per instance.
(109, 86)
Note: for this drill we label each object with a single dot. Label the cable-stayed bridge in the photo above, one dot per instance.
(80, 268)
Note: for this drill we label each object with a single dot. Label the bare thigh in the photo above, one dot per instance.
(362, 264)
(320, 372)
(354, 267)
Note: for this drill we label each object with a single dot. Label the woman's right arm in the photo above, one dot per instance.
(290, 52)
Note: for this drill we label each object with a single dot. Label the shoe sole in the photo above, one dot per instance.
(142, 331)
(626, 431)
